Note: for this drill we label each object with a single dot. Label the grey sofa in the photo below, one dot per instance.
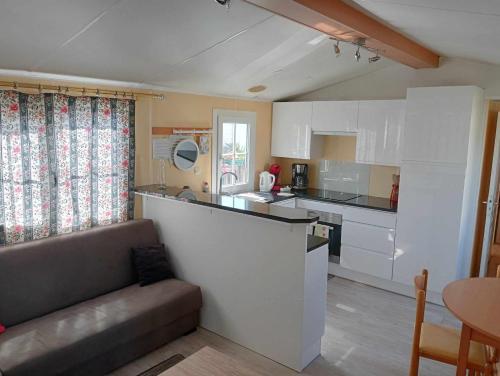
(72, 306)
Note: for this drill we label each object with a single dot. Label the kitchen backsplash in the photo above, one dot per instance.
(344, 176)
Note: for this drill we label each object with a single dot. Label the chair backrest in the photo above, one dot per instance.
(420, 293)
(421, 281)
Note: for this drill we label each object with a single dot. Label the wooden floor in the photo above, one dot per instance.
(368, 332)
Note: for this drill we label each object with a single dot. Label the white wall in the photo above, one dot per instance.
(391, 82)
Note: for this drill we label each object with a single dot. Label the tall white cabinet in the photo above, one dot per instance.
(438, 191)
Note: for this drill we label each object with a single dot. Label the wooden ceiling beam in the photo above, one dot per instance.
(344, 22)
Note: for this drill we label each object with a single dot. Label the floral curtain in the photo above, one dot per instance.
(66, 164)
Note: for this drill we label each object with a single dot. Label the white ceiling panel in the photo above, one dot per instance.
(452, 28)
(31, 30)
(227, 60)
(143, 39)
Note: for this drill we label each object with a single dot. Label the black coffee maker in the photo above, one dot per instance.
(299, 176)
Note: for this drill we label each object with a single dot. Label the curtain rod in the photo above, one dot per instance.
(64, 89)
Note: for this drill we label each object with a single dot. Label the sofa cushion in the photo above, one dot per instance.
(42, 276)
(60, 340)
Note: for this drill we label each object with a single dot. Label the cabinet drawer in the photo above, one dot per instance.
(374, 238)
(370, 217)
(367, 262)
(318, 205)
(285, 203)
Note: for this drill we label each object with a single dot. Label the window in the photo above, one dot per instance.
(66, 164)
(235, 151)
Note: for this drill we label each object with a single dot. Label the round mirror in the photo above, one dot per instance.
(186, 154)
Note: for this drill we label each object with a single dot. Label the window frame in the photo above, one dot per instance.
(225, 116)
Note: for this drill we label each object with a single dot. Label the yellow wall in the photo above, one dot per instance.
(188, 110)
(341, 148)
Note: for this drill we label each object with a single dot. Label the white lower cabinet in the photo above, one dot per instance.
(365, 261)
(373, 238)
(368, 238)
(370, 217)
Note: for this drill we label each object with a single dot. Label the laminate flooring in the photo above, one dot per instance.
(368, 332)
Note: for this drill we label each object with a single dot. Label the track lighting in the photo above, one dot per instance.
(360, 42)
(374, 59)
(357, 55)
(336, 48)
(226, 3)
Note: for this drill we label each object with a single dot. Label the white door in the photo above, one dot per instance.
(233, 151)
(491, 227)
(291, 134)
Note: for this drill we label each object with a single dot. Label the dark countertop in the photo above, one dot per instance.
(314, 242)
(363, 201)
(232, 203)
(372, 202)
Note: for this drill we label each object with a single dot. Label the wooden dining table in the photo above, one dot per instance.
(476, 303)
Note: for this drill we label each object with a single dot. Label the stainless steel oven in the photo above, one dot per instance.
(329, 226)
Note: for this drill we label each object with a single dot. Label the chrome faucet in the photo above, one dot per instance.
(220, 180)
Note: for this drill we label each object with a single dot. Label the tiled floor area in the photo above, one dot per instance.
(368, 332)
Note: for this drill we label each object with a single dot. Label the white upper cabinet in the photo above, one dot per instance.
(438, 121)
(380, 132)
(291, 133)
(335, 116)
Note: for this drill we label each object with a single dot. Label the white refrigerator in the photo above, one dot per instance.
(439, 187)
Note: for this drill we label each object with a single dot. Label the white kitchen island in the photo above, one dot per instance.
(262, 277)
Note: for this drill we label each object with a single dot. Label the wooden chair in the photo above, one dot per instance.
(494, 261)
(493, 356)
(441, 343)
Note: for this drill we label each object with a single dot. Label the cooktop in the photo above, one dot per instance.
(325, 194)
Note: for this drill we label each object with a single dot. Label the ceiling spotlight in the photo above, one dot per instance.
(226, 3)
(336, 48)
(374, 59)
(357, 55)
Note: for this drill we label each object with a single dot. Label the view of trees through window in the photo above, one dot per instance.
(235, 153)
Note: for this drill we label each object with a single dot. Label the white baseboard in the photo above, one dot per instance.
(381, 283)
